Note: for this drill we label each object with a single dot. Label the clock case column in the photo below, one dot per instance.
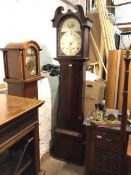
(72, 76)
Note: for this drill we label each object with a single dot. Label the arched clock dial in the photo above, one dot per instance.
(31, 56)
(70, 37)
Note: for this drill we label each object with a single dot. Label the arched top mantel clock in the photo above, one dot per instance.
(22, 68)
(23, 60)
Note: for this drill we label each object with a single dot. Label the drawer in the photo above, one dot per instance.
(107, 141)
(109, 137)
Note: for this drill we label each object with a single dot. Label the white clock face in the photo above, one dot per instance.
(70, 43)
(70, 39)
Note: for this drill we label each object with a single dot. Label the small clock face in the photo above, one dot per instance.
(70, 37)
(31, 56)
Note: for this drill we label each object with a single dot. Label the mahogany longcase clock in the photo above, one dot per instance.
(72, 53)
(22, 68)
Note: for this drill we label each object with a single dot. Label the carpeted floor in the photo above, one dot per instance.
(57, 167)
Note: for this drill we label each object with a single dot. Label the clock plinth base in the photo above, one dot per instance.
(23, 88)
(29, 90)
(68, 146)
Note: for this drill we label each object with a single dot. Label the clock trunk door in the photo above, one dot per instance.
(71, 85)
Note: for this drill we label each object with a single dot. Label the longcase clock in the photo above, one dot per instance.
(72, 53)
(22, 68)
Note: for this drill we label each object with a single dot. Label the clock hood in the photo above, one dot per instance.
(79, 14)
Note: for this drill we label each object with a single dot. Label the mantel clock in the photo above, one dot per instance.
(72, 53)
(22, 68)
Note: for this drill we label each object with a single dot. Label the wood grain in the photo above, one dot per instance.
(121, 83)
(111, 79)
(12, 107)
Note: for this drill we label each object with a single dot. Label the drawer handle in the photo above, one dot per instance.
(79, 117)
(99, 137)
(108, 140)
(89, 85)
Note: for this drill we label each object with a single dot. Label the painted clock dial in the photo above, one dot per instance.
(70, 37)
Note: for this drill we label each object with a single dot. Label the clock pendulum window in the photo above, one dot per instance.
(72, 53)
(22, 68)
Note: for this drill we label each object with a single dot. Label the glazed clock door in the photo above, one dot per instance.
(31, 62)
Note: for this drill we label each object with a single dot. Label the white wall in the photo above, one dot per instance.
(123, 15)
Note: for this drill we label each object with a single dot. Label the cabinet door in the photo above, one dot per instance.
(102, 152)
(107, 151)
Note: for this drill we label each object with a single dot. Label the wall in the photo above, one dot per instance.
(23, 20)
(123, 14)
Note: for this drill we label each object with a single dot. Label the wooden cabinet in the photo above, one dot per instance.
(19, 130)
(102, 151)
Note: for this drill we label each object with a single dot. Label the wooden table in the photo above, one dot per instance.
(19, 125)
